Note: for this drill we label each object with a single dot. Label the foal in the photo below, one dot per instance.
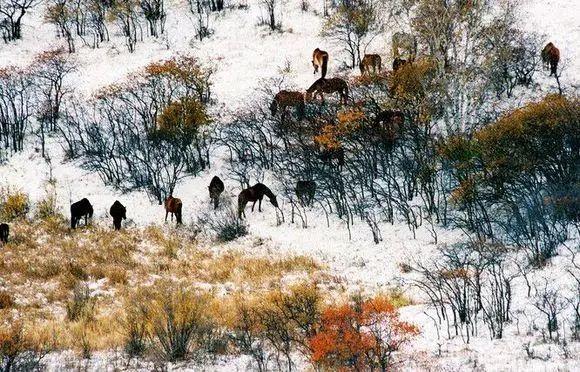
(173, 206)
(253, 194)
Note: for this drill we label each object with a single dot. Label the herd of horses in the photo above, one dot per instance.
(404, 47)
(388, 123)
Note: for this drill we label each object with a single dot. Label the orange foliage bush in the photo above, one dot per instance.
(360, 335)
(347, 122)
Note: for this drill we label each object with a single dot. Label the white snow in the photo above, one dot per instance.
(243, 54)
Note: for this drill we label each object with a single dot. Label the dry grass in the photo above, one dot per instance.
(47, 264)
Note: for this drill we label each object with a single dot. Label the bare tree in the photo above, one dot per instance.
(16, 107)
(50, 70)
(11, 13)
(154, 12)
(354, 25)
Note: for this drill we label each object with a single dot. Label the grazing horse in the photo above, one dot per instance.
(328, 155)
(4, 232)
(305, 191)
(370, 61)
(253, 194)
(389, 123)
(333, 85)
(551, 57)
(216, 187)
(405, 44)
(173, 206)
(119, 213)
(398, 63)
(320, 60)
(286, 98)
(82, 208)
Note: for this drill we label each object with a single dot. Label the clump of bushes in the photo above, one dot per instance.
(170, 319)
(6, 300)
(18, 350)
(47, 208)
(13, 205)
(360, 335)
(224, 224)
(81, 305)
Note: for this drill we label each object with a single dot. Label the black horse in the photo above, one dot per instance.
(254, 194)
(216, 187)
(119, 213)
(305, 191)
(4, 232)
(82, 208)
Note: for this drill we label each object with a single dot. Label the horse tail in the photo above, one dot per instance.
(178, 212)
(240, 205)
(274, 107)
(324, 64)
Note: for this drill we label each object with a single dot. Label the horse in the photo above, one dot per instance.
(305, 191)
(398, 63)
(253, 194)
(389, 123)
(406, 43)
(323, 85)
(286, 98)
(4, 232)
(328, 155)
(216, 187)
(173, 206)
(82, 208)
(119, 213)
(320, 60)
(370, 61)
(551, 57)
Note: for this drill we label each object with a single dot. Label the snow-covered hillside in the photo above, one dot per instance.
(243, 55)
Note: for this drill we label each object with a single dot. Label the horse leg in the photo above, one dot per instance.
(253, 205)
(260, 205)
(166, 213)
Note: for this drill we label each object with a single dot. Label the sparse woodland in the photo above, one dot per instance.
(457, 137)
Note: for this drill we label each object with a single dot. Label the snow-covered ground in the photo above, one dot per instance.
(243, 54)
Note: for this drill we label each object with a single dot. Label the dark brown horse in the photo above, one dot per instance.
(328, 155)
(285, 99)
(254, 194)
(173, 206)
(398, 63)
(320, 60)
(216, 187)
(333, 85)
(119, 213)
(305, 191)
(389, 125)
(80, 209)
(551, 57)
(4, 232)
